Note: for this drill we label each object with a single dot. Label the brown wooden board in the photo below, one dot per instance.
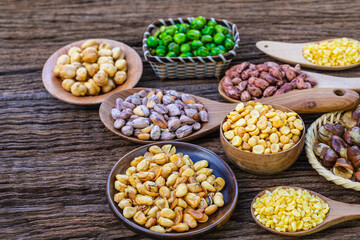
(55, 157)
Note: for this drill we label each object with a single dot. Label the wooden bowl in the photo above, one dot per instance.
(263, 164)
(196, 153)
(53, 84)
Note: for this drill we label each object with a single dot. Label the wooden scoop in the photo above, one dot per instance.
(293, 53)
(339, 212)
(313, 101)
(327, 96)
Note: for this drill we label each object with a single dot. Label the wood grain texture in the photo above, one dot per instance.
(55, 156)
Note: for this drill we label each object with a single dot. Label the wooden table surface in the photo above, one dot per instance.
(55, 157)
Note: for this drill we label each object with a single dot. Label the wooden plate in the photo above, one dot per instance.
(196, 153)
(53, 84)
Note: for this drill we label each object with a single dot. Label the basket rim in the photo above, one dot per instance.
(228, 56)
(311, 138)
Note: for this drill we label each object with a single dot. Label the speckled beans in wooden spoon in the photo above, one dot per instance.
(339, 212)
(317, 99)
(293, 53)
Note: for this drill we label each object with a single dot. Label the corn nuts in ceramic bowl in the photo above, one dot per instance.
(91, 69)
(172, 189)
(262, 139)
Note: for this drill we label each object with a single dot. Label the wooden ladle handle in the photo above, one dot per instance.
(341, 212)
(316, 100)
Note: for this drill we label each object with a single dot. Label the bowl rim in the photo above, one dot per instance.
(189, 233)
(267, 154)
(48, 82)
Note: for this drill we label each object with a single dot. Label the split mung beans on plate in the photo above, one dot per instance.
(166, 191)
(155, 114)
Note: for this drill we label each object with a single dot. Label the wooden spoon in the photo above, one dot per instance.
(339, 212)
(53, 84)
(293, 53)
(313, 100)
(326, 101)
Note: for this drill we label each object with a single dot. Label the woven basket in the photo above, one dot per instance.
(189, 67)
(312, 138)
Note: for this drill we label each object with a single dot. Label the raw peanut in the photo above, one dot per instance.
(167, 135)
(229, 88)
(183, 131)
(253, 90)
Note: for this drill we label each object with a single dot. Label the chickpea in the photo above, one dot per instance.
(81, 74)
(103, 60)
(109, 68)
(74, 49)
(105, 45)
(120, 77)
(63, 60)
(75, 57)
(57, 70)
(105, 53)
(109, 86)
(116, 52)
(120, 64)
(90, 55)
(92, 88)
(91, 69)
(90, 43)
(68, 71)
(67, 83)
(78, 89)
(101, 78)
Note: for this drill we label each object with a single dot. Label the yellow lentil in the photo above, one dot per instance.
(290, 210)
(338, 52)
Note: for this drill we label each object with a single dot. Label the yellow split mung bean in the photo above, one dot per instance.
(290, 210)
(338, 52)
(261, 129)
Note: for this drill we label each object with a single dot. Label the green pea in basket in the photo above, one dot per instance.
(190, 67)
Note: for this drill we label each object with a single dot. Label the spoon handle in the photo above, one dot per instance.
(326, 81)
(316, 100)
(341, 212)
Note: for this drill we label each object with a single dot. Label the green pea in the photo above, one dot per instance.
(152, 42)
(153, 52)
(185, 47)
(180, 38)
(229, 35)
(184, 28)
(171, 30)
(201, 18)
(193, 34)
(195, 44)
(202, 52)
(197, 24)
(157, 33)
(171, 54)
(216, 51)
(221, 47)
(178, 25)
(161, 50)
(206, 39)
(219, 38)
(211, 23)
(163, 35)
(161, 55)
(229, 44)
(221, 29)
(207, 30)
(174, 47)
(186, 54)
(210, 45)
(162, 28)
